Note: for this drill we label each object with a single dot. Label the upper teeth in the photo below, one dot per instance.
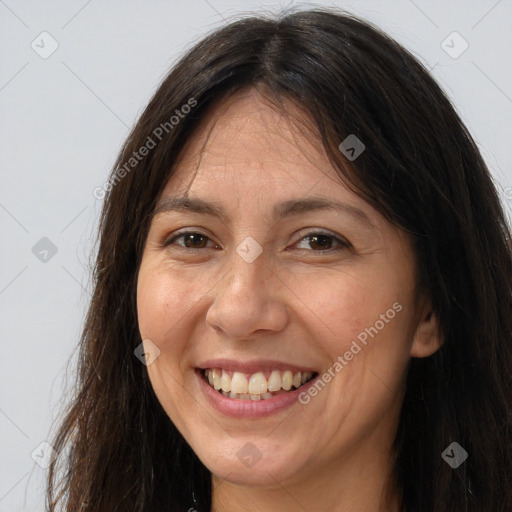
(256, 383)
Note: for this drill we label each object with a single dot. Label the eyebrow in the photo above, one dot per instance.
(280, 210)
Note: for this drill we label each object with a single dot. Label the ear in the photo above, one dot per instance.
(427, 338)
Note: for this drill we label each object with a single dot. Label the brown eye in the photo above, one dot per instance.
(191, 240)
(323, 242)
(194, 240)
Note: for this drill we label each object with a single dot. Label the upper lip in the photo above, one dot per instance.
(253, 366)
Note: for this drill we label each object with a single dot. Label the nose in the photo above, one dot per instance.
(247, 300)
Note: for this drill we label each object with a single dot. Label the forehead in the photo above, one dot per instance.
(246, 139)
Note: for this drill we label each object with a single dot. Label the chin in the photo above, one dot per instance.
(242, 463)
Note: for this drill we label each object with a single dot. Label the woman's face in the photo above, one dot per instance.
(263, 287)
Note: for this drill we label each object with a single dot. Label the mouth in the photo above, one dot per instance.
(261, 385)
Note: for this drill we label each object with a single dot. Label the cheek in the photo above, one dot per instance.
(343, 305)
(375, 352)
(367, 320)
(152, 305)
(368, 342)
(163, 301)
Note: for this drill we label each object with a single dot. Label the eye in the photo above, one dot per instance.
(324, 241)
(191, 240)
(318, 240)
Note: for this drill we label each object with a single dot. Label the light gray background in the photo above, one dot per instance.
(62, 122)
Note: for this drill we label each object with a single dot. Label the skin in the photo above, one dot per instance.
(297, 302)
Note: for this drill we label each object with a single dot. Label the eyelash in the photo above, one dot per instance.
(342, 244)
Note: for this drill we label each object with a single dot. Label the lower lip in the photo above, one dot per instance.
(250, 408)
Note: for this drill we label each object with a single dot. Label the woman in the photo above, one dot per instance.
(302, 292)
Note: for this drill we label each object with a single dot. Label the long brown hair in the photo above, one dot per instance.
(421, 169)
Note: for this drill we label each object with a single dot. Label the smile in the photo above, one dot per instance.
(261, 385)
